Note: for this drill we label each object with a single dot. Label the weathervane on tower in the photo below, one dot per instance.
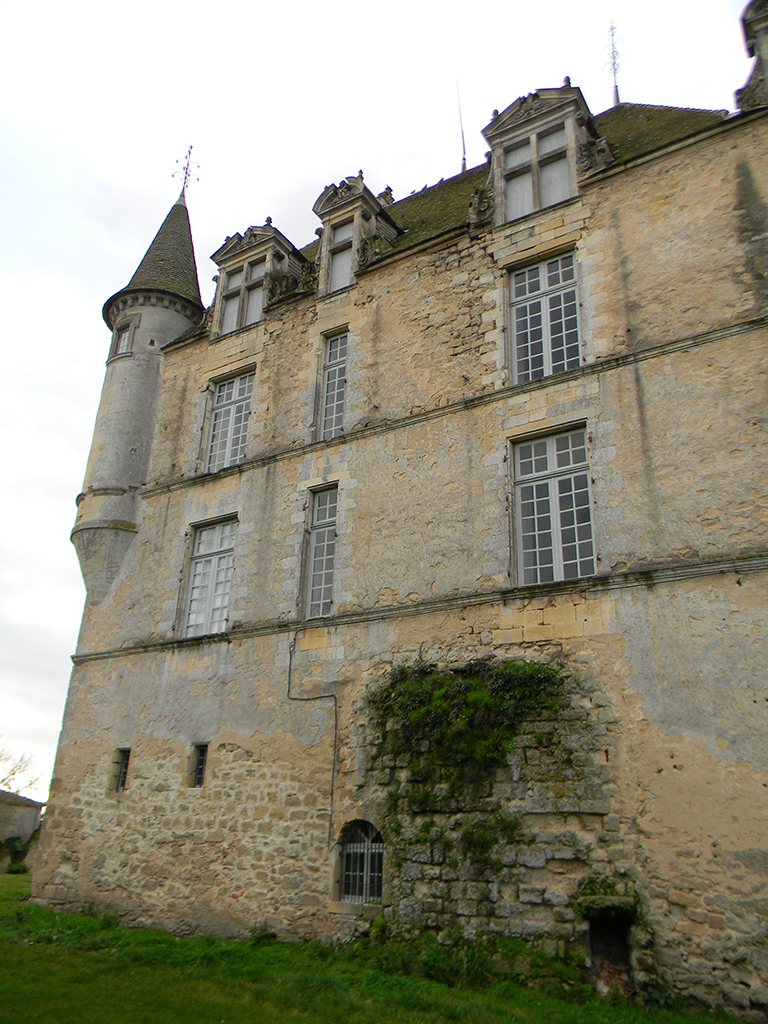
(187, 173)
(614, 65)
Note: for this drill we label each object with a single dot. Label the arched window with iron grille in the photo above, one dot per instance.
(362, 861)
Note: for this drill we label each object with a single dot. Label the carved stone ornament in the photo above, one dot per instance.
(481, 206)
(594, 155)
(521, 110)
(755, 92)
(253, 235)
(371, 249)
(308, 277)
(334, 195)
(278, 285)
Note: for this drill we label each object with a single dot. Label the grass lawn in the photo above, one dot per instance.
(63, 968)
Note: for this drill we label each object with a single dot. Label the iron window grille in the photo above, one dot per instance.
(199, 764)
(334, 386)
(209, 578)
(545, 319)
(229, 425)
(322, 551)
(362, 863)
(121, 768)
(553, 508)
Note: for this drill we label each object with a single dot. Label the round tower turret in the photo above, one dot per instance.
(161, 302)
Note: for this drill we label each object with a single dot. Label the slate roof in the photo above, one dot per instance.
(17, 800)
(631, 128)
(437, 209)
(637, 128)
(169, 263)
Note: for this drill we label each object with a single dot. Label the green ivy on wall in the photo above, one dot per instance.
(444, 735)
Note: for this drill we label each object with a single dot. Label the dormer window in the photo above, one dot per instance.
(257, 268)
(353, 217)
(534, 147)
(341, 256)
(536, 172)
(242, 301)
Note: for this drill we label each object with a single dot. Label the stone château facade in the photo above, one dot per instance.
(519, 415)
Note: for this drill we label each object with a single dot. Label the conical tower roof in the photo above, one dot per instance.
(169, 263)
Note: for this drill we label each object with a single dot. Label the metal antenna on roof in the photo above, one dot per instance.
(461, 125)
(187, 172)
(614, 65)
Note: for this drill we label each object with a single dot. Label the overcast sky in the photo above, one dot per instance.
(97, 103)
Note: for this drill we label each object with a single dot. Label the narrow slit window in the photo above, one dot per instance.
(322, 551)
(121, 768)
(199, 761)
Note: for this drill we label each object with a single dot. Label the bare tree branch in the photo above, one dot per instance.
(16, 770)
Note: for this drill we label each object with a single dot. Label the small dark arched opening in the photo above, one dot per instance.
(362, 863)
(609, 950)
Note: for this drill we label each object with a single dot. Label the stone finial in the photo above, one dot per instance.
(754, 22)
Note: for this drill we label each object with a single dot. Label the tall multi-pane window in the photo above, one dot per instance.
(210, 576)
(322, 551)
(362, 863)
(545, 319)
(553, 508)
(229, 425)
(536, 173)
(341, 256)
(334, 385)
(242, 299)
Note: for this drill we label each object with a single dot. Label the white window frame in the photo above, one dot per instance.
(553, 508)
(230, 413)
(334, 385)
(322, 550)
(240, 285)
(122, 337)
(529, 158)
(210, 575)
(342, 238)
(544, 318)
(361, 863)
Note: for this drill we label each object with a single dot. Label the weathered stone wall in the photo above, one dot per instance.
(666, 788)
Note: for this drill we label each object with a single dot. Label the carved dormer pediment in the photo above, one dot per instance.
(257, 241)
(536, 107)
(333, 196)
